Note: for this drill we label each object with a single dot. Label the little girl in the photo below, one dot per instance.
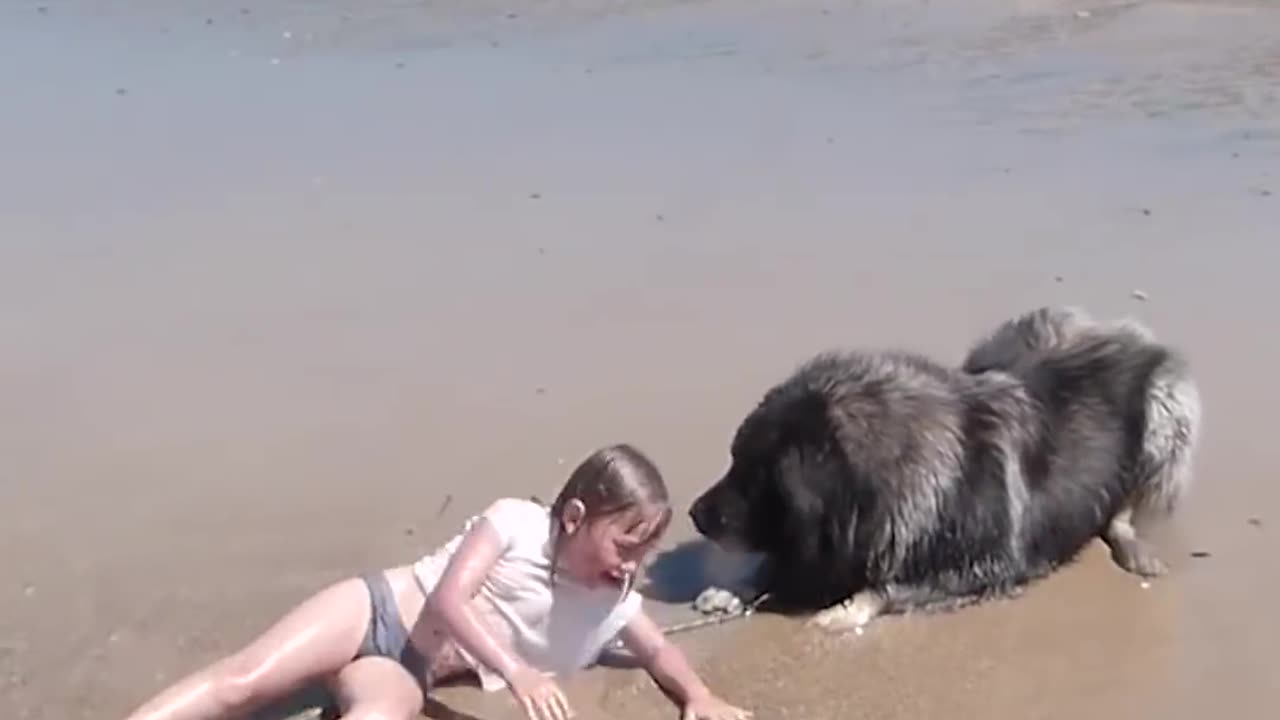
(525, 592)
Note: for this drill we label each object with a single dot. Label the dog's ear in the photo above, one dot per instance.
(802, 482)
(821, 524)
(821, 493)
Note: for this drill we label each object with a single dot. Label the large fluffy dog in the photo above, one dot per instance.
(886, 482)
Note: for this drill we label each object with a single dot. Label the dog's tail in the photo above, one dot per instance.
(1171, 414)
(1170, 437)
(1020, 340)
(1171, 431)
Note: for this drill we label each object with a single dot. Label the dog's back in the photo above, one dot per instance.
(1064, 350)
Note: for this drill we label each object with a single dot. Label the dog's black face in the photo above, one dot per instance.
(784, 467)
(741, 510)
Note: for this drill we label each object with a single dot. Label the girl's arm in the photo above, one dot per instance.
(480, 548)
(671, 670)
(451, 599)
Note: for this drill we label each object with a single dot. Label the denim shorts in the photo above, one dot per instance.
(387, 636)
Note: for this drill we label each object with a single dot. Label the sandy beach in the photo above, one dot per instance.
(289, 289)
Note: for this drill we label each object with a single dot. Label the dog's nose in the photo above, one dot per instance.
(706, 522)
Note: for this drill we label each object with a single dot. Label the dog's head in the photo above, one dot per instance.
(787, 473)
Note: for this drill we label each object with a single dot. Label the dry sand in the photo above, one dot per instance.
(276, 283)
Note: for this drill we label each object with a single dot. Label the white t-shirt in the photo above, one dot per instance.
(555, 629)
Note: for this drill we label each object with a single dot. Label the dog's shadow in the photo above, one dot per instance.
(678, 575)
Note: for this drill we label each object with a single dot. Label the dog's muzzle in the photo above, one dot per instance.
(706, 519)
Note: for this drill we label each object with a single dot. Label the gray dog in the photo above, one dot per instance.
(872, 483)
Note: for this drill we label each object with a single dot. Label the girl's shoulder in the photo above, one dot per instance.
(519, 519)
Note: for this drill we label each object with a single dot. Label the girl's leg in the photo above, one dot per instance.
(377, 688)
(317, 638)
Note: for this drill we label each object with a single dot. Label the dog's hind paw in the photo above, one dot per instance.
(718, 601)
(1138, 559)
(1131, 552)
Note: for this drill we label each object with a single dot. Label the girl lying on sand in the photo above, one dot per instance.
(523, 593)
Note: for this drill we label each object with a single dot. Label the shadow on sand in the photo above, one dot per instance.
(679, 574)
(316, 703)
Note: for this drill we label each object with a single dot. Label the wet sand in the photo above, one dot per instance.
(286, 294)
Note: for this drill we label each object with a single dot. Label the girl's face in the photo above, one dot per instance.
(608, 550)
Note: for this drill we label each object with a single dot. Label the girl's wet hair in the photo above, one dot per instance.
(612, 480)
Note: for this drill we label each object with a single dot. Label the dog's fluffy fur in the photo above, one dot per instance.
(886, 482)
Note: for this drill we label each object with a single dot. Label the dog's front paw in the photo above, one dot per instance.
(852, 614)
(839, 618)
(718, 601)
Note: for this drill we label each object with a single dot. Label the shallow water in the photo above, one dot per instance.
(265, 324)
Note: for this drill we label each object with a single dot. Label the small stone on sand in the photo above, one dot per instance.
(1201, 554)
(1145, 584)
(1138, 295)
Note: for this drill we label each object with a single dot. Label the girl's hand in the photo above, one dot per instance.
(669, 667)
(539, 695)
(711, 707)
